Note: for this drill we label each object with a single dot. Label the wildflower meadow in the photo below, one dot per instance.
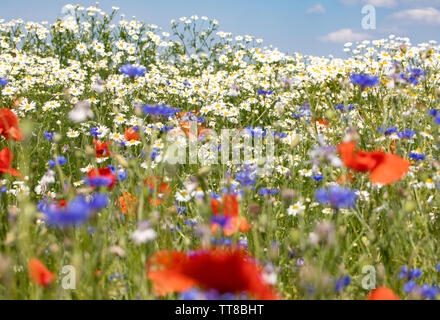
(139, 164)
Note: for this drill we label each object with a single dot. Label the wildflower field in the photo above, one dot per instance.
(199, 164)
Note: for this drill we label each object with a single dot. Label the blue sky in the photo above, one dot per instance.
(318, 27)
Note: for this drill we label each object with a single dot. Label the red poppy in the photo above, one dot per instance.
(159, 189)
(60, 203)
(166, 270)
(382, 293)
(322, 122)
(101, 148)
(345, 178)
(393, 147)
(384, 168)
(16, 102)
(6, 157)
(215, 206)
(225, 270)
(131, 134)
(39, 273)
(97, 273)
(127, 204)
(9, 127)
(234, 222)
(187, 126)
(105, 173)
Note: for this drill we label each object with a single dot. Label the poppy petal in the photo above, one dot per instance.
(390, 170)
(39, 273)
(382, 293)
(165, 270)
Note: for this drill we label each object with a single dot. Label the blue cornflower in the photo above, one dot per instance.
(280, 135)
(304, 110)
(246, 177)
(340, 107)
(264, 92)
(415, 273)
(436, 114)
(257, 131)
(166, 128)
(180, 209)
(99, 181)
(337, 197)
(406, 134)
(410, 286)
(190, 222)
(429, 292)
(224, 242)
(211, 294)
(99, 201)
(390, 131)
(132, 71)
(305, 106)
(49, 135)
(417, 72)
(342, 283)
(264, 191)
(122, 175)
(221, 220)
(94, 131)
(159, 110)
(416, 156)
(41, 205)
(433, 112)
(318, 177)
(75, 213)
(411, 274)
(154, 154)
(60, 160)
(112, 168)
(191, 294)
(364, 81)
(403, 272)
(177, 227)
(414, 75)
(242, 242)
(3, 82)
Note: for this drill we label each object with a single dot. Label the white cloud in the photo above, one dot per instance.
(349, 2)
(382, 3)
(376, 3)
(424, 15)
(420, 3)
(316, 9)
(344, 35)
